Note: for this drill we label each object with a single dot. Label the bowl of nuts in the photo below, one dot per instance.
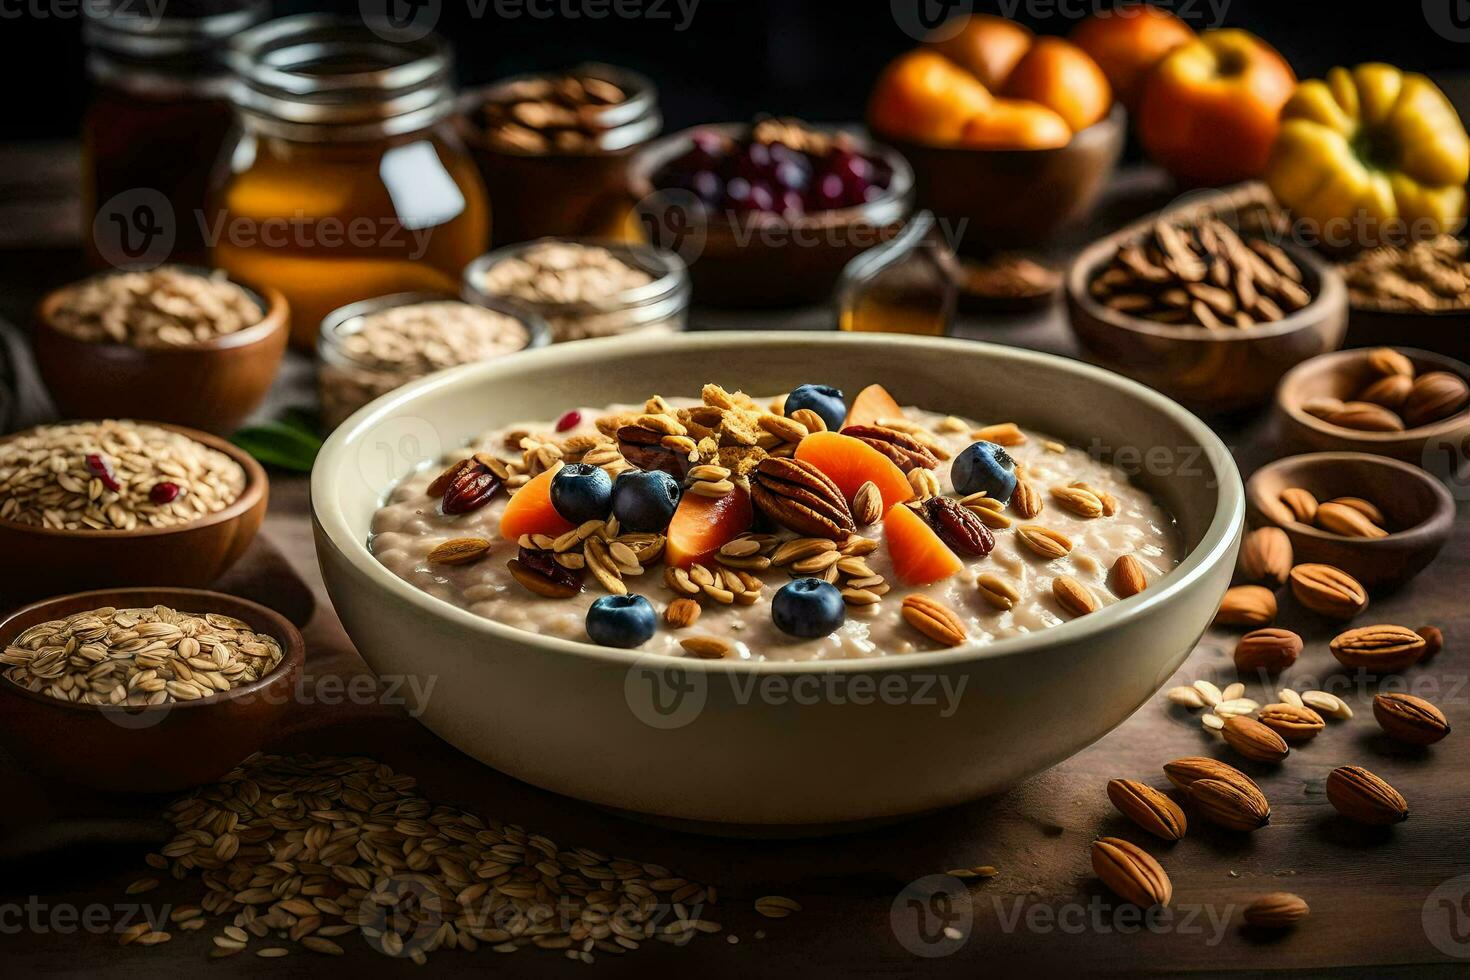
(1380, 520)
(165, 688)
(173, 344)
(90, 504)
(1417, 294)
(1198, 304)
(1406, 404)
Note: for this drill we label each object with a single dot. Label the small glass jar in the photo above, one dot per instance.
(351, 375)
(906, 285)
(660, 304)
(159, 111)
(347, 180)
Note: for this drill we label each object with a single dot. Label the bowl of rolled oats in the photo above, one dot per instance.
(174, 344)
(115, 502)
(849, 577)
(144, 690)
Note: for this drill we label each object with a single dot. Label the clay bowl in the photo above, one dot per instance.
(211, 386)
(1439, 447)
(763, 260)
(1005, 198)
(1419, 513)
(1213, 372)
(160, 749)
(46, 561)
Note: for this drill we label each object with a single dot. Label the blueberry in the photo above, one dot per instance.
(621, 621)
(808, 607)
(581, 493)
(826, 401)
(984, 466)
(644, 500)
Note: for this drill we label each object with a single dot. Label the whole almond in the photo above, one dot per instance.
(1433, 640)
(1389, 391)
(997, 591)
(1410, 719)
(1083, 503)
(1367, 508)
(1246, 605)
(1294, 723)
(1026, 500)
(1348, 521)
(1321, 406)
(1328, 591)
(867, 504)
(1230, 805)
(1381, 649)
(1131, 872)
(1073, 596)
(1436, 395)
(1301, 503)
(933, 619)
(1001, 433)
(1149, 808)
(1265, 556)
(460, 551)
(682, 612)
(1186, 771)
(1278, 910)
(1254, 740)
(1361, 796)
(1044, 541)
(1366, 417)
(1385, 361)
(1271, 650)
(1127, 577)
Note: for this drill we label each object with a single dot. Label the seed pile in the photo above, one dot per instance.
(1426, 277)
(426, 337)
(136, 657)
(164, 307)
(113, 475)
(303, 850)
(558, 273)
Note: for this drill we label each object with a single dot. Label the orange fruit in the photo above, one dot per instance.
(986, 46)
(1014, 124)
(529, 511)
(850, 463)
(925, 97)
(919, 556)
(871, 404)
(702, 525)
(1062, 77)
(1129, 40)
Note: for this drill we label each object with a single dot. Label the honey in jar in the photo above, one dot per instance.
(347, 180)
(906, 285)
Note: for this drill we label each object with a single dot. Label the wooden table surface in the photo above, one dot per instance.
(1384, 903)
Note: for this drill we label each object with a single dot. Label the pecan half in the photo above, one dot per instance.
(797, 495)
(470, 487)
(958, 527)
(644, 448)
(541, 573)
(906, 452)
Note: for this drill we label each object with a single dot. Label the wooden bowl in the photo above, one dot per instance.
(160, 749)
(41, 561)
(1213, 372)
(1003, 198)
(211, 386)
(1419, 513)
(1439, 447)
(763, 260)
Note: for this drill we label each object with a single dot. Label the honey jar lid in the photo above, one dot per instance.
(140, 30)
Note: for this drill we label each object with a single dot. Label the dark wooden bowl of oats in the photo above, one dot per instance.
(185, 508)
(207, 687)
(174, 344)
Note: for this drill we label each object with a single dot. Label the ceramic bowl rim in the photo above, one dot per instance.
(1215, 542)
(292, 644)
(1442, 362)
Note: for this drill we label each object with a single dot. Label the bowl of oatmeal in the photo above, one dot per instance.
(854, 577)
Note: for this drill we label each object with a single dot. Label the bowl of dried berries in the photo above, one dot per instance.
(115, 502)
(1197, 303)
(172, 344)
(146, 690)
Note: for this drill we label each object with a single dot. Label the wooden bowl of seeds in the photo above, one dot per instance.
(1417, 295)
(1380, 520)
(86, 505)
(173, 344)
(1406, 404)
(1197, 302)
(146, 690)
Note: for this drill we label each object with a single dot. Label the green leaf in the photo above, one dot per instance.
(290, 444)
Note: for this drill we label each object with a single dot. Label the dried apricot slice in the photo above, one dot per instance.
(703, 525)
(919, 556)
(850, 463)
(871, 404)
(529, 511)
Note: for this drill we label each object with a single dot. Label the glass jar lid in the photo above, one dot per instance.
(137, 29)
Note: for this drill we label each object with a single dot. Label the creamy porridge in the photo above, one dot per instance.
(767, 497)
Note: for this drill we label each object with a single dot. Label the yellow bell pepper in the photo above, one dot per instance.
(1366, 149)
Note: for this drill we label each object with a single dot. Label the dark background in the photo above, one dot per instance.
(811, 58)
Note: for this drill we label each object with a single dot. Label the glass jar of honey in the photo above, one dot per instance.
(346, 180)
(158, 115)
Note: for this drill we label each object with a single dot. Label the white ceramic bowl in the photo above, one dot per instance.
(815, 745)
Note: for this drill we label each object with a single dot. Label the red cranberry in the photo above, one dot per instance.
(163, 492)
(826, 194)
(568, 421)
(99, 468)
